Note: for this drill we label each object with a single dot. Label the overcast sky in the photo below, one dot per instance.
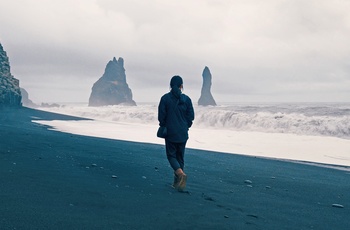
(257, 51)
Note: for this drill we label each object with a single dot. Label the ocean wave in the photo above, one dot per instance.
(304, 120)
(337, 126)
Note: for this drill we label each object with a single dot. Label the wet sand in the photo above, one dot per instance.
(54, 180)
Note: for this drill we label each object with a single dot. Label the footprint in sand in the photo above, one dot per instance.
(207, 197)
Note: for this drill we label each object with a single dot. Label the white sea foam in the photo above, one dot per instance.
(288, 132)
(331, 120)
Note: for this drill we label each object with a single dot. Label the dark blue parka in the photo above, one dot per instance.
(175, 111)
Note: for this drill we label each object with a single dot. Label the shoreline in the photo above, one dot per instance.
(284, 146)
(322, 165)
(56, 180)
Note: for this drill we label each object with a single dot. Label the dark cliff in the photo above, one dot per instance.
(10, 94)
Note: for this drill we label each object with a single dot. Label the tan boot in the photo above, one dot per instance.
(181, 180)
(176, 181)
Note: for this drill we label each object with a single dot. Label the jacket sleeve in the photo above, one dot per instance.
(162, 112)
(189, 112)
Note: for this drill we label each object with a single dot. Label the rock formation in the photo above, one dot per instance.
(10, 94)
(111, 88)
(206, 98)
(25, 99)
(48, 105)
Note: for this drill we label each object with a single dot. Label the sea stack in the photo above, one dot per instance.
(111, 88)
(10, 94)
(25, 99)
(206, 98)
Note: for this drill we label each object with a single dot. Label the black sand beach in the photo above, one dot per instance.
(54, 180)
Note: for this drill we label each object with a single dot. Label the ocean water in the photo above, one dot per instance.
(313, 133)
(315, 119)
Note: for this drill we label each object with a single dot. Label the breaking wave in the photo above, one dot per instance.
(307, 119)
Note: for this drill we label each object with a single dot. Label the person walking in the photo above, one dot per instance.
(176, 113)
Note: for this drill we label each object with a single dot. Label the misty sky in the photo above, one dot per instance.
(257, 51)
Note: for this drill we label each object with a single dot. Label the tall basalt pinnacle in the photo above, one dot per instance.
(206, 98)
(111, 88)
(10, 93)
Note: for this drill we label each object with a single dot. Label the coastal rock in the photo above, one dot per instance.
(48, 105)
(25, 99)
(111, 88)
(10, 94)
(206, 98)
